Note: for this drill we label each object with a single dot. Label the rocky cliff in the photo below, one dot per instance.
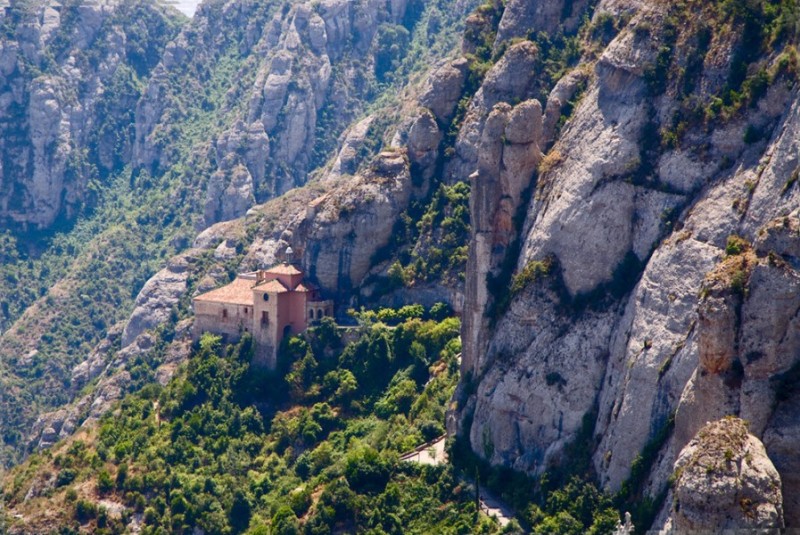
(70, 75)
(653, 275)
(247, 101)
(630, 175)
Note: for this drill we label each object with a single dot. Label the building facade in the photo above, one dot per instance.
(270, 304)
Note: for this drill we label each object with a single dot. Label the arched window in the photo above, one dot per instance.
(311, 314)
(319, 313)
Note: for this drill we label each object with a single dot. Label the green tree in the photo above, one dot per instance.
(104, 482)
(285, 522)
(241, 511)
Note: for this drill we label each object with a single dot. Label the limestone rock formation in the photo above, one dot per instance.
(349, 224)
(349, 156)
(641, 314)
(157, 297)
(726, 481)
(634, 256)
(67, 118)
(520, 16)
(313, 64)
(780, 440)
(443, 89)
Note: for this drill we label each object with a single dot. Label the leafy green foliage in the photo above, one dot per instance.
(561, 501)
(391, 42)
(439, 233)
(765, 36)
(213, 451)
(530, 273)
(736, 245)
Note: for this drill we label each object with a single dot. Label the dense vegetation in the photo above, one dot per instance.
(313, 447)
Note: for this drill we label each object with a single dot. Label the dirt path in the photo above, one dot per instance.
(433, 453)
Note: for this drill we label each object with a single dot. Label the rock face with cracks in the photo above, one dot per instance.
(66, 120)
(634, 255)
(644, 315)
(724, 480)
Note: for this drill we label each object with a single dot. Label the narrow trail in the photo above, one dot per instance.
(434, 453)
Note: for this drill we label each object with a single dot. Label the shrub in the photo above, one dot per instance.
(550, 161)
(85, 510)
(396, 275)
(752, 134)
(241, 510)
(65, 477)
(532, 271)
(398, 399)
(791, 181)
(440, 311)
(122, 475)
(736, 245)
(367, 470)
(560, 524)
(739, 282)
(431, 430)
(391, 43)
(411, 311)
(285, 522)
(104, 482)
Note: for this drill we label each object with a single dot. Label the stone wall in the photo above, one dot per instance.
(225, 319)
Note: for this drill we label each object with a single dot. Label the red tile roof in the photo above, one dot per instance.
(284, 269)
(273, 286)
(238, 292)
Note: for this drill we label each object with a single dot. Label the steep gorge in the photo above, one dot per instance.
(71, 75)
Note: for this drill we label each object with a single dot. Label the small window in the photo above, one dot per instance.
(311, 314)
(319, 313)
(224, 313)
(266, 297)
(264, 318)
(245, 311)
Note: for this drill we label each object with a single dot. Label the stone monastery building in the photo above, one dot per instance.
(269, 303)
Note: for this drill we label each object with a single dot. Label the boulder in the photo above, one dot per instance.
(724, 480)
